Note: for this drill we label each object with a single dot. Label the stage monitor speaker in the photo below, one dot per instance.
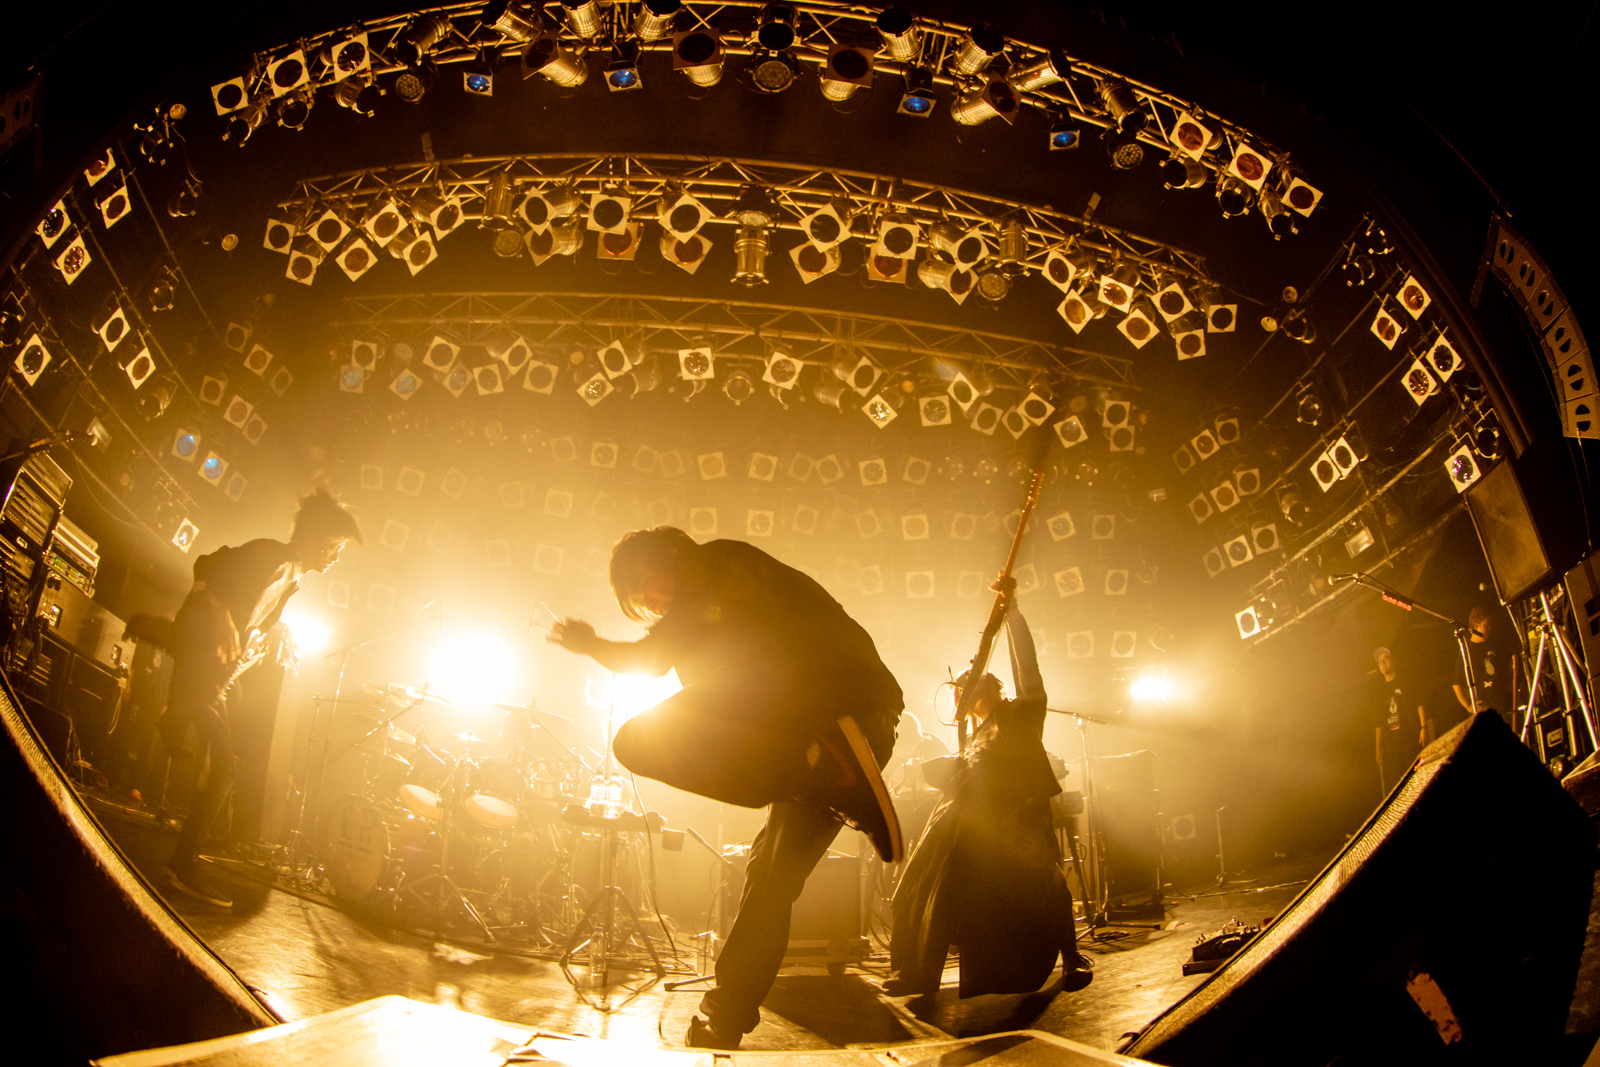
(829, 908)
(1448, 930)
(1511, 543)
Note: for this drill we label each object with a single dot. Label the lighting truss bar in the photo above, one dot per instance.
(743, 329)
(822, 24)
(718, 182)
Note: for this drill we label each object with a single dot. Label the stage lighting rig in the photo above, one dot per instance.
(653, 20)
(514, 21)
(773, 67)
(546, 56)
(846, 69)
(420, 38)
(977, 50)
(901, 36)
(918, 100)
(698, 53)
(360, 96)
(993, 98)
(1064, 135)
(413, 83)
(294, 109)
(583, 17)
(477, 77)
(622, 73)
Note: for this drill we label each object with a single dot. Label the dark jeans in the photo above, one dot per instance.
(197, 701)
(723, 741)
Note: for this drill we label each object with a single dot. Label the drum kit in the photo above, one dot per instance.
(440, 833)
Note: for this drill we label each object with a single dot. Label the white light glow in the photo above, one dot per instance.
(311, 634)
(471, 667)
(634, 692)
(1153, 688)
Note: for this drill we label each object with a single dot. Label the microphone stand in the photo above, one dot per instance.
(1462, 633)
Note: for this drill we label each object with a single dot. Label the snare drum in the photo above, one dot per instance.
(494, 789)
(368, 848)
(421, 800)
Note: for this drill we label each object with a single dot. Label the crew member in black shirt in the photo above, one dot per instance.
(238, 592)
(785, 703)
(1400, 734)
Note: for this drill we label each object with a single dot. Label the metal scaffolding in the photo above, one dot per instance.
(741, 329)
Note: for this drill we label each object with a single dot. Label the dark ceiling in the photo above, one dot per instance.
(1351, 95)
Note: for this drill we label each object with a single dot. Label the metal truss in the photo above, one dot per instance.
(740, 329)
(1078, 94)
(654, 180)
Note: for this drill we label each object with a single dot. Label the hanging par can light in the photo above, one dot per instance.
(750, 256)
(698, 53)
(994, 98)
(546, 56)
(898, 29)
(653, 20)
(583, 17)
(1041, 73)
(978, 49)
(421, 38)
(509, 20)
(846, 70)
(1120, 100)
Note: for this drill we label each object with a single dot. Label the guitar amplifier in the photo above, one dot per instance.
(68, 613)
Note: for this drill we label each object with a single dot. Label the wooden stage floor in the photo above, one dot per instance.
(307, 955)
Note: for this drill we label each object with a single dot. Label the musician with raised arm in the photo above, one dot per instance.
(785, 703)
(238, 593)
(986, 874)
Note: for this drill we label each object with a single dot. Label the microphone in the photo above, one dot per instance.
(1335, 579)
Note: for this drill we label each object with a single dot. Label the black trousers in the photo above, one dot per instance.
(721, 741)
(196, 723)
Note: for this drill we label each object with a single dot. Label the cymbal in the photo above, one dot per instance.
(470, 738)
(533, 709)
(403, 693)
(399, 735)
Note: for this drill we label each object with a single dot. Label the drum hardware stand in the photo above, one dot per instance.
(599, 931)
(707, 950)
(298, 844)
(295, 860)
(1567, 670)
(438, 890)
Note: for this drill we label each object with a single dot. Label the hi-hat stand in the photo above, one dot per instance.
(600, 940)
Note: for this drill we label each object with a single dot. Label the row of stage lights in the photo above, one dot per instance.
(959, 259)
(629, 369)
(992, 78)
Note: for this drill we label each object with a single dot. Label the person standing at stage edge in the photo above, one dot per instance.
(1400, 734)
(238, 591)
(1485, 671)
(785, 703)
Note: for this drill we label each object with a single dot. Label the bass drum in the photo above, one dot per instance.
(369, 848)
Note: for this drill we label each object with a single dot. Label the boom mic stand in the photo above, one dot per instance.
(1463, 635)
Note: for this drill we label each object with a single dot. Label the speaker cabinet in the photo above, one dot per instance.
(1129, 822)
(1448, 930)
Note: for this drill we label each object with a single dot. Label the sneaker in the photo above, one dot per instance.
(188, 882)
(858, 792)
(1076, 973)
(703, 1035)
(905, 987)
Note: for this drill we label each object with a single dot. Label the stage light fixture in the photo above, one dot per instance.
(115, 207)
(1071, 431)
(1189, 336)
(773, 72)
(687, 253)
(918, 99)
(1308, 406)
(1221, 318)
(738, 387)
(294, 109)
(1249, 166)
(622, 73)
(977, 50)
(1233, 196)
(477, 77)
(288, 73)
(827, 227)
(698, 54)
(1277, 216)
(1462, 466)
(1138, 325)
(993, 284)
(543, 207)
(879, 410)
(994, 98)
(1181, 173)
(1050, 69)
(653, 20)
(32, 360)
(1247, 480)
(420, 38)
(986, 419)
(382, 221)
(1386, 328)
(782, 370)
(812, 263)
(1238, 551)
(359, 95)
(546, 56)
(1224, 495)
(541, 377)
(305, 255)
(1325, 471)
(583, 17)
(696, 364)
(750, 256)
(1443, 359)
(352, 379)
(1064, 134)
(328, 229)
(1123, 104)
(898, 236)
(846, 69)
(413, 83)
(901, 35)
(1248, 622)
